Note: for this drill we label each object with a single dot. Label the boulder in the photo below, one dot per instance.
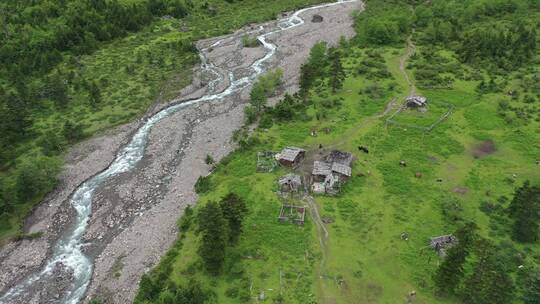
(317, 19)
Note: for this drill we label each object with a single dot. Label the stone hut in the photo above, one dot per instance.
(291, 156)
(442, 243)
(293, 214)
(290, 183)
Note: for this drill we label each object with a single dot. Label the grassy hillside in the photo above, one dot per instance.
(466, 169)
(88, 85)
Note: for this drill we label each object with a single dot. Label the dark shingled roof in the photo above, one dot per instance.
(344, 158)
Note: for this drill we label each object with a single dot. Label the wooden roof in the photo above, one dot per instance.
(344, 158)
(321, 168)
(290, 153)
(341, 169)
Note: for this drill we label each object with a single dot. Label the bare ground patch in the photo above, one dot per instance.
(484, 149)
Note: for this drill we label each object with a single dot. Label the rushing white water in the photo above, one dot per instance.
(68, 249)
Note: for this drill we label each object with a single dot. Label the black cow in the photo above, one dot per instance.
(363, 149)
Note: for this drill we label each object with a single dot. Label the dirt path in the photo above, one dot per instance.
(323, 235)
(411, 49)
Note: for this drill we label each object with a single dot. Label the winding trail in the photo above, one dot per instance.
(69, 252)
(411, 49)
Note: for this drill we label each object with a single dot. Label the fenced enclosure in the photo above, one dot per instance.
(266, 161)
(425, 119)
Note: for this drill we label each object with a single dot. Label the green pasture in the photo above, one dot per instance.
(366, 260)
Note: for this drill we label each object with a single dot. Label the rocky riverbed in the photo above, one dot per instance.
(134, 214)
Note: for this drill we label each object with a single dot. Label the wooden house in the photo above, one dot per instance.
(291, 156)
(416, 101)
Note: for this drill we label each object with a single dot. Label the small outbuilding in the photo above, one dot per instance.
(442, 243)
(291, 156)
(321, 170)
(290, 183)
(416, 101)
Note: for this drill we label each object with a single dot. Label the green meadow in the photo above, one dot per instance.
(365, 258)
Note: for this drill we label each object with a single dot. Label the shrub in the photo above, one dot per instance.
(202, 185)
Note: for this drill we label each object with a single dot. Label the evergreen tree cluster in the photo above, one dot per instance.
(486, 280)
(35, 37)
(524, 211)
(265, 87)
(220, 225)
(502, 33)
(323, 63)
(480, 272)
(37, 33)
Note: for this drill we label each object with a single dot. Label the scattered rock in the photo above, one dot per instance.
(404, 236)
(460, 190)
(403, 163)
(418, 174)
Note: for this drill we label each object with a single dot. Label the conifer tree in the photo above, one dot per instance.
(525, 211)
(450, 272)
(95, 94)
(314, 68)
(213, 227)
(58, 91)
(258, 97)
(337, 74)
(234, 209)
(531, 293)
(488, 282)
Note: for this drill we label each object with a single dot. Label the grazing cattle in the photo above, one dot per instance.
(363, 149)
